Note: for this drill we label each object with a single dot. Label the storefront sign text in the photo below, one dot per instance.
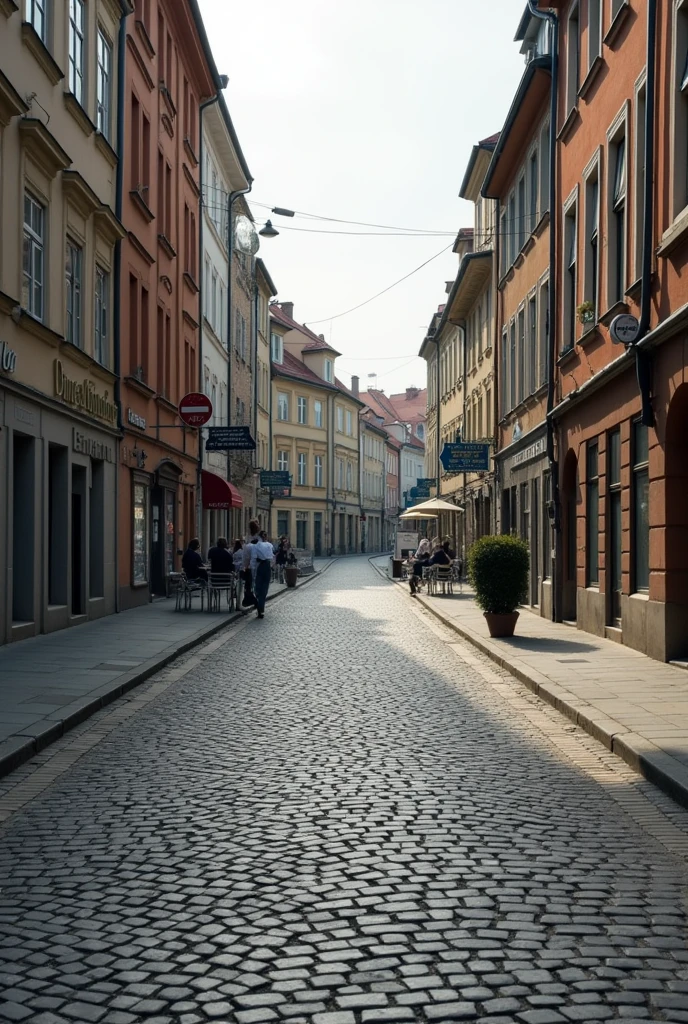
(532, 452)
(90, 446)
(135, 420)
(8, 358)
(83, 395)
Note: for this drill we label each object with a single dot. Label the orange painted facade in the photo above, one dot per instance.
(624, 531)
(168, 74)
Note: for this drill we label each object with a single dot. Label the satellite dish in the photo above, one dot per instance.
(245, 236)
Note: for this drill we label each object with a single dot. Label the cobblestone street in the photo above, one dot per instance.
(338, 815)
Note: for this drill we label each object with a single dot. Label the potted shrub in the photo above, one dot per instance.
(498, 570)
(291, 570)
(586, 312)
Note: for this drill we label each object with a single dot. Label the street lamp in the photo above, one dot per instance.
(268, 231)
(280, 210)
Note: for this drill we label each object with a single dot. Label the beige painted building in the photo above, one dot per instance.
(266, 292)
(373, 458)
(59, 408)
(461, 388)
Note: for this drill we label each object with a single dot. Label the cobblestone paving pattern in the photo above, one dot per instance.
(334, 818)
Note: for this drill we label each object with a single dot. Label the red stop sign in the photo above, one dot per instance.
(195, 409)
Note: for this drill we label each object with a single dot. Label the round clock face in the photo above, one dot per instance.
(245, 236)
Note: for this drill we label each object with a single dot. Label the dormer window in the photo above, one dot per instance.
(329, 371)
(277, 348)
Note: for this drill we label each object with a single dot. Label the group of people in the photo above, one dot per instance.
(251, 560)
(430, 552)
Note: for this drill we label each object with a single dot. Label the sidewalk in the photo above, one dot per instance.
(636, 706)
(50, 683)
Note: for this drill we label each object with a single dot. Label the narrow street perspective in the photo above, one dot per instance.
(340, 815)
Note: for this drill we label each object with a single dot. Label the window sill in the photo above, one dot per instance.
(38, 329)
(588, 336)
(140, 386)
(634, 290)
(570, 122)
(141, 204)
(167, 96)
(145, 38)
(675, 235)
(567, 356)
(189, 150)
(615, 310)
(166, 246)
(8, 8)
(542, 224)
(79, 114)
(35, 44)
(190, 282)
(591, 77)
(617, 24)
(106, 149)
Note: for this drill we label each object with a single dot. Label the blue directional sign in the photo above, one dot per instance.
(225, 439)
(426, 481)
(420, 492)
(465, 457)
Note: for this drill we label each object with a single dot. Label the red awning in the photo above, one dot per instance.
(219, 493)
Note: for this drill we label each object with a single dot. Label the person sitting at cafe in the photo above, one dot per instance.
(448, 549)
(220, 558)
(421, 559)
(192, 563)
(440, 556)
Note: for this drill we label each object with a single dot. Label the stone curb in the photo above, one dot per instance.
(650, 761)
(15, 750)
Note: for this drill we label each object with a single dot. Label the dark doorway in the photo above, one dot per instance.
(676, 519)
(158, 541)
(317, 533)
(569, 508)
(78, 535)
(23, 527)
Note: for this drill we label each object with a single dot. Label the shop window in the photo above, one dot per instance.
(23, 505)
(641, 508)
(58, 477)
(140, 539)
(96, 531)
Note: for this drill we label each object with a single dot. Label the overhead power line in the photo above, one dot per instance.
(358, 223)
(378, 294)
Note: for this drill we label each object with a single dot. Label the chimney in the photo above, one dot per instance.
(322, 337)
(354, 384)
(411, 393)
(287, 308)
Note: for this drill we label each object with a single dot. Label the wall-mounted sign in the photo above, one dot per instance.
(624, 329)
(275, 478)
(82, 395)
(225, 439)
(135, 420)
(466, 457)
(92, 447)
(529, 453)
(8, 358)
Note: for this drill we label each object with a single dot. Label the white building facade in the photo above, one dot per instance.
(224, 171)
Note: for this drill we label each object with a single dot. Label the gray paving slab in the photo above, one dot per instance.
(636, 706)
(50, 682)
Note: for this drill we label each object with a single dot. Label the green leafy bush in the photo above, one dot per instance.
(498, 570)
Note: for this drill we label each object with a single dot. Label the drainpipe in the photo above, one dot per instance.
(254, 361)
(231, 198)
(117, 268)
(643, 359)
(495, 526)
(553, 21)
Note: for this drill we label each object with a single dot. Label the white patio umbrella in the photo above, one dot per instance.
(430, 509)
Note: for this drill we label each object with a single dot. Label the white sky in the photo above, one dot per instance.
(365, 109)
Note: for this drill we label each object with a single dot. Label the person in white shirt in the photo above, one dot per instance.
(261, 555)
(253, 528)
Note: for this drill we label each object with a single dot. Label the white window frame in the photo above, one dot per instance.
(570, 223)
(617, 131)
(277, 347)
(317, 413)
(104, 85)
(329, 371)
(33, 259)
(531, 342)
(543, 332)
(101, 333)
(679, 114)
(592, 182)
(349, 423)
(302, 469)
(37, 16)
(349, 476)
(283, 406)
(74, 284)
(318, 471)
(302, 410)
(283, 461)
(340, 419)
(77, 34)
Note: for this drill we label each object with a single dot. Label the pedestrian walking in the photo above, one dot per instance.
(261, 554)
(249, 599)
